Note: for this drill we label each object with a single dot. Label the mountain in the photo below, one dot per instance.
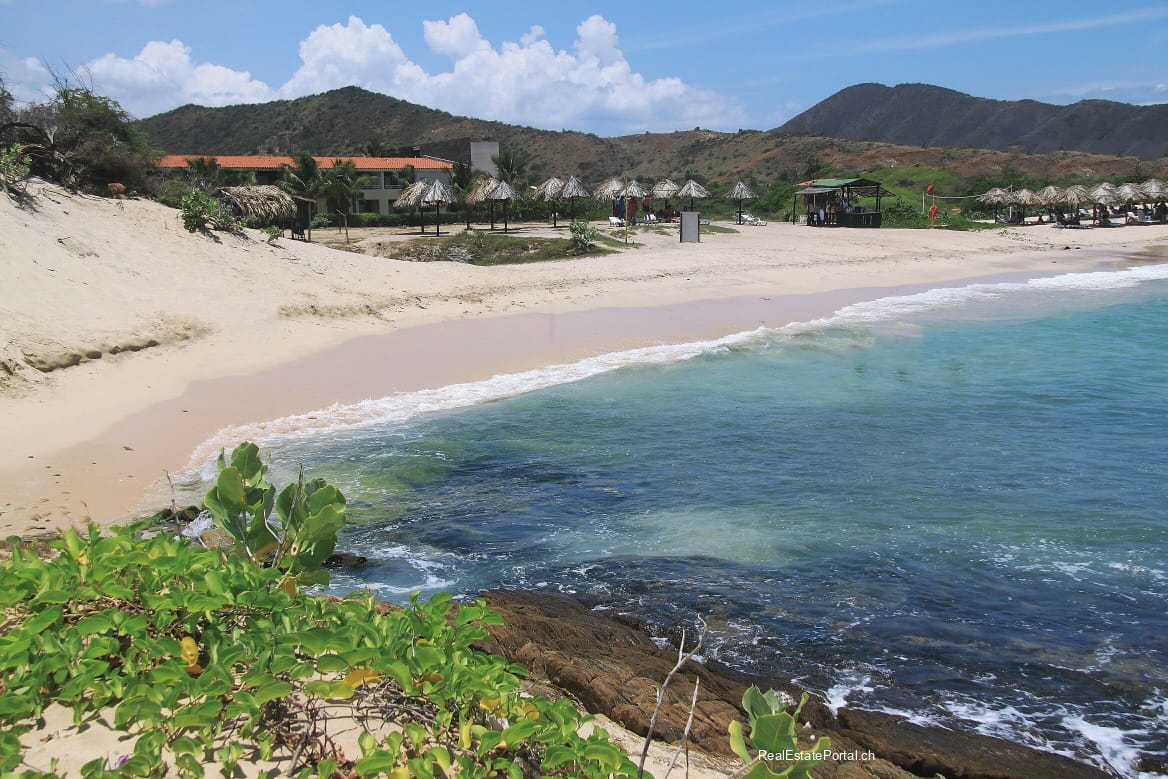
(345, 121)
(925, 115)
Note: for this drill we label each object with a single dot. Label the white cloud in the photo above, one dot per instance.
(455, 39)
(528, 82)
(163, 76)
(591, 86)
(26, 78)
(352, 54)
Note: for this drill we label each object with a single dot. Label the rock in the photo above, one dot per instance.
(614, 668)
(345, 560)
(953, 754)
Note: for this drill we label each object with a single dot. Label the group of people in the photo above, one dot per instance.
(623, 210)
(825, 211)
(1102, 216)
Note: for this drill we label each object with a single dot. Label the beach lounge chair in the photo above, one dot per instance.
(750, 219)
(616, 221)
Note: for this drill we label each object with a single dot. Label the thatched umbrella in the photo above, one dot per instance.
(1050, 196)
(479, 193)
(1130, 193)
(264, 202)
(572, 190)
(506, 193)
(740, 192)
(615, 188)
(1105, 193)
(634, 189)
(1154, 189)
(1076, 196)
(1024, 198)
(549, 192)
(665, 189)
(995, 197)
(411, 198)
(438, 194)
(609, 190)
(692, 189)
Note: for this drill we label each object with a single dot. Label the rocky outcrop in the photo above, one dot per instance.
(614, 668)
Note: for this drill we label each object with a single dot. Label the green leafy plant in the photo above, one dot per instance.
(310, 514)
(584, 235)
(774, 745)
(200, 656)
(14, 167)
(202, 212)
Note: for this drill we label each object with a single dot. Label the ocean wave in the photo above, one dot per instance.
(897, 307)
(847, 324)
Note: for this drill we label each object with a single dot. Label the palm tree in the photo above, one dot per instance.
(407, 175)
(207, 175)
(376, 148)
(303, 177)
(512, 169)
(342, 183)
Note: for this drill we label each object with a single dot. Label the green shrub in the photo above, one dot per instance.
(202, 212)
(584, 236)
(14, 167)
(205, 655)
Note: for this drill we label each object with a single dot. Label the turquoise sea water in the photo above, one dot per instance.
(952, 505)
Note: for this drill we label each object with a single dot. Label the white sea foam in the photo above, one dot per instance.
(899, 306)
(405, 406)
(1113, 745)
(850, 682)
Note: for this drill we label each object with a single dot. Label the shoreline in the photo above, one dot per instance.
(301, 327)
(125, 471)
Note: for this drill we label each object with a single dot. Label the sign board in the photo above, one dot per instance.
(690, 227)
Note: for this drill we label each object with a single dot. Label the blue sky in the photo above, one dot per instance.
(611, 68)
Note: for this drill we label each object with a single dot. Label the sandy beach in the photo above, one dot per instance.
(129, 344)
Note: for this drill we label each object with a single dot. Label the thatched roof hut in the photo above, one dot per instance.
(266, 202)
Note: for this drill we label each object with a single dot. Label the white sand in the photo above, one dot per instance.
(246, 332)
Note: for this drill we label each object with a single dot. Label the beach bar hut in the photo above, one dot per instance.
(835, 202)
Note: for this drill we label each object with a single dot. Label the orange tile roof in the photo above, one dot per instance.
(273, 162)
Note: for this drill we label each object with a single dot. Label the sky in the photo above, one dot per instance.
(610, 68)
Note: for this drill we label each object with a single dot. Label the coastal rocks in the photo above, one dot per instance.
(615, 669)
(955, 755)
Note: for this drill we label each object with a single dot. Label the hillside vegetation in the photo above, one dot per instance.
(926, 115)
(349, 120)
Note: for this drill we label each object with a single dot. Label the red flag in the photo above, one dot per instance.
(930, 189)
